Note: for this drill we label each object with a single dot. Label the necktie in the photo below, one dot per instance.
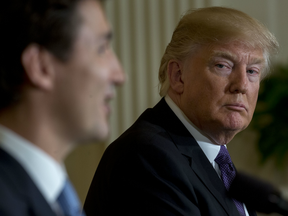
(69, 202)
(228, 173)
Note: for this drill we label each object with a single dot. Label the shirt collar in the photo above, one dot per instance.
(48, 175)
(210, 150)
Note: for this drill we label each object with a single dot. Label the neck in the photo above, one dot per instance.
(34, 127)
(221, 138)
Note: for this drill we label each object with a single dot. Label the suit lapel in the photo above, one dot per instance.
(23, 186)
(204, 170)
(188, 146)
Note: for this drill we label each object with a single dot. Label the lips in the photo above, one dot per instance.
(109, 96)
(236, 107)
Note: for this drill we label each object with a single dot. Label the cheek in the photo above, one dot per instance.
(102, 81)
(254, 97)
(96, 79)
(99, 88)
(252, 106)
(213, 93)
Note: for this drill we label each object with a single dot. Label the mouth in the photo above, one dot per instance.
(107, 100)
(236, 107)
(107, 107)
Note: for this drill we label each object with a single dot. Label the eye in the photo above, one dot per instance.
(252, 72)
(223, 66)
(220, 65)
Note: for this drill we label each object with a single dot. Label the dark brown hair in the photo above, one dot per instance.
(52, 24)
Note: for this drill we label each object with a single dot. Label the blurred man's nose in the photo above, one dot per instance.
(118, 74)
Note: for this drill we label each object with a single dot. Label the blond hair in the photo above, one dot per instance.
(215, 25)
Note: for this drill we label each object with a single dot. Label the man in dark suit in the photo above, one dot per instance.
(167, 162)
(57, 75)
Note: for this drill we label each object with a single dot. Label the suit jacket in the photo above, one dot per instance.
(157, 168)
(18, 194)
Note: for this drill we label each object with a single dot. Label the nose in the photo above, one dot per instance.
(239, 81)
(117, 75)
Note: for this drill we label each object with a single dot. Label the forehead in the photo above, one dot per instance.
(236, 52)
(93, 17)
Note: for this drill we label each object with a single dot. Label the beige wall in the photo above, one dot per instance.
(142, 29)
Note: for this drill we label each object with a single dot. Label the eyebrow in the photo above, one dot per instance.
(233, 57)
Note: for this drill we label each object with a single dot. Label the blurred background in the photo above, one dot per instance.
(142, 29)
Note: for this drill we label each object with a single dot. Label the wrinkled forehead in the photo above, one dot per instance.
(234, 51)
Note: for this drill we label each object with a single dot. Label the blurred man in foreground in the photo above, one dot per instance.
(57, 75)
(173, 160)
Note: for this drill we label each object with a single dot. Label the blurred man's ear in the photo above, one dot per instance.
(175, 72)
(36, 62)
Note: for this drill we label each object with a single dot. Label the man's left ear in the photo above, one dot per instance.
(36, 63)
(175, 72)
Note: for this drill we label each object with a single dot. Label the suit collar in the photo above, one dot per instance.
(49, 176)
(196, 133)
(188, 146)
(210, 150)
(22, 186)
(165, 117)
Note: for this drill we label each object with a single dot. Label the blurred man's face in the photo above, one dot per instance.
(221, 86)
(85, 84)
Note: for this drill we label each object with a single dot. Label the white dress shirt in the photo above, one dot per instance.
(210, 150)
(47, 174)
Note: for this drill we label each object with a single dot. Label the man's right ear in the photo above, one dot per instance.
(175, 72)
(36, 63)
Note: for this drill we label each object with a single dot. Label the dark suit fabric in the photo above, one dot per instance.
(157, 168)
(18, 194)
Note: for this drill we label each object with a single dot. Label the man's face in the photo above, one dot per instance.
(221, 86)
(85, 84)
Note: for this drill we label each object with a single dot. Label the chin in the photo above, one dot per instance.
(235, 123)
(98, 133)
(101, 132)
